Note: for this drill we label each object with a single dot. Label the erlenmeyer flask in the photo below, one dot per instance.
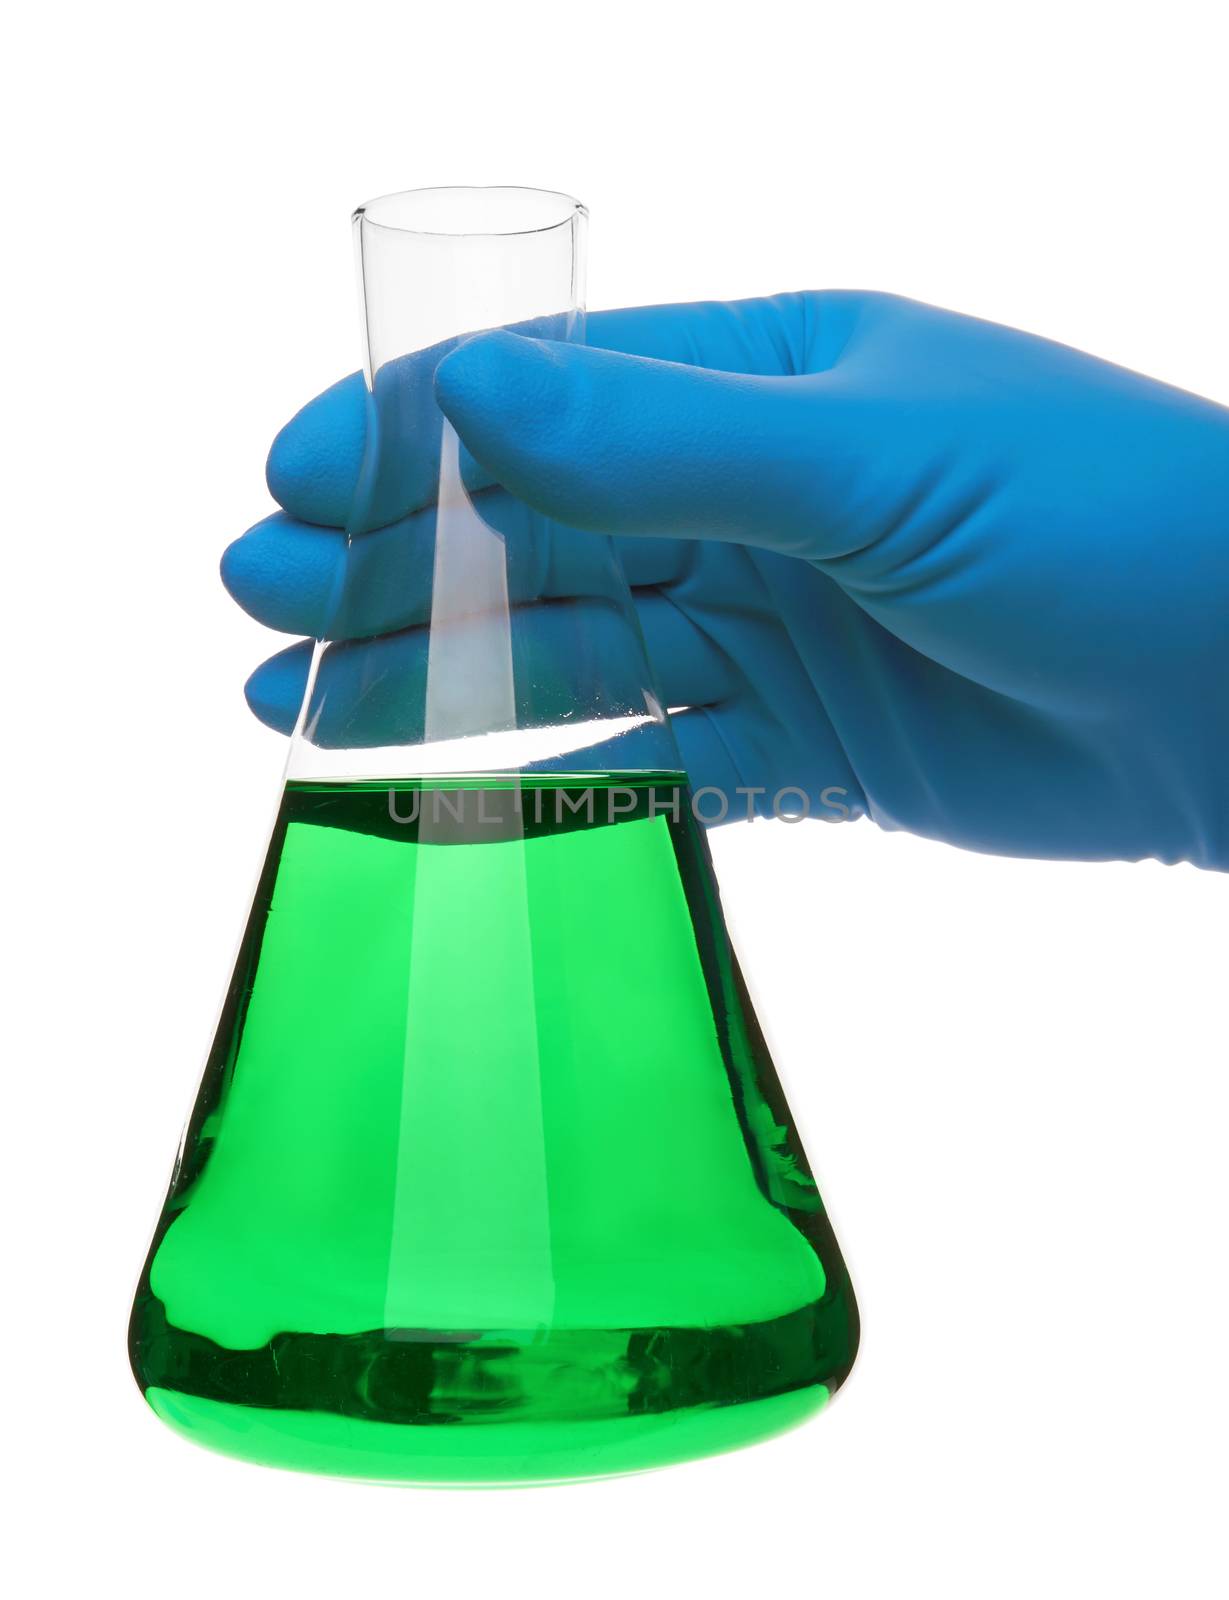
(490, 1178)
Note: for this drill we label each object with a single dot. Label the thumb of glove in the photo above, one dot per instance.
(622, 444)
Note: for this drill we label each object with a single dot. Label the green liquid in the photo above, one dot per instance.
(490, 1178)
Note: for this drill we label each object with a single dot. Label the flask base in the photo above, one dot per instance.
(485, 1455)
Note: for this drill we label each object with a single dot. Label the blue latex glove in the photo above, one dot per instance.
(976, 581)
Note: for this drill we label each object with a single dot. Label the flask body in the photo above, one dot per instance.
(490, 1179)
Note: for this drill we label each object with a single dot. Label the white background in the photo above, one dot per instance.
(1011, 1075)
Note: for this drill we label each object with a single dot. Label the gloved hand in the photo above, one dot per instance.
(975, 581)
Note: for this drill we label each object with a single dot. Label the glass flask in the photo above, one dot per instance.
(490, 1178)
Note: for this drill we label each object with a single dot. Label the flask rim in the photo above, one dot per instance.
(471, 211)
